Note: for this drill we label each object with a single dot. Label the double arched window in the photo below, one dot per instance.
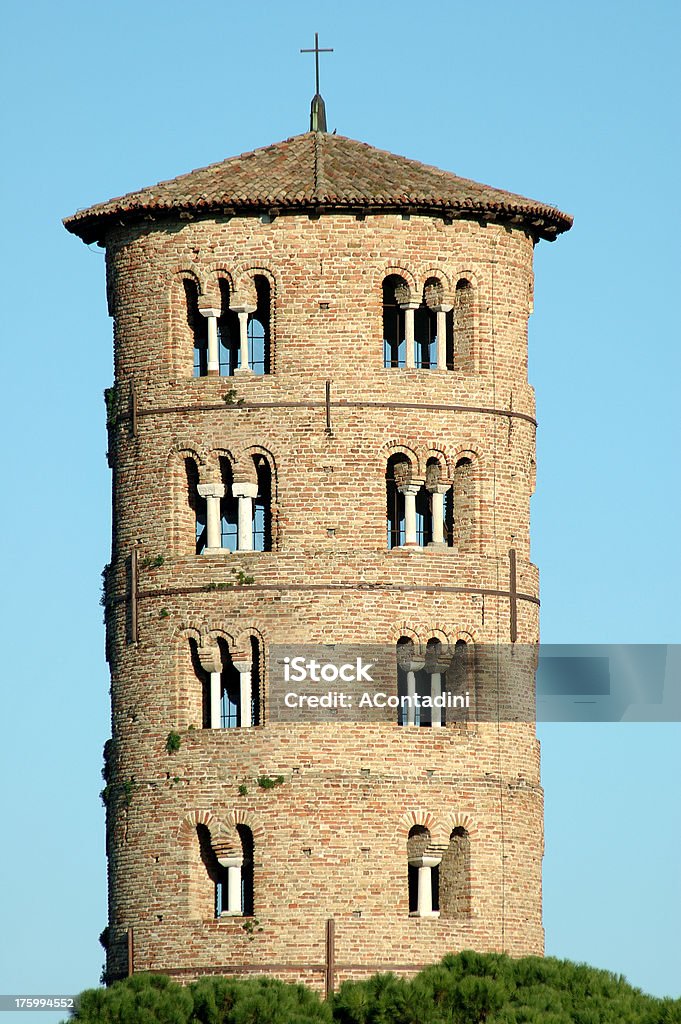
(230, 868)
(419, 511)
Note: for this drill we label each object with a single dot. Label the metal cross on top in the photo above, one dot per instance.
(316, 52)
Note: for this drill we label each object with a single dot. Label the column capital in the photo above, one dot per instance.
(409, 305)
(438, 488)
(230, 862)
(244, 489)
(413, 487)
(210, 658)
(243, 308)
(214, 490)
(427, 861)
(242, 665)
(209, 310)
(443, 307)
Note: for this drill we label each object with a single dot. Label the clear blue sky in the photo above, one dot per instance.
(575, 104)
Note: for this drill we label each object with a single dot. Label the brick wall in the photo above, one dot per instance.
(331, 841)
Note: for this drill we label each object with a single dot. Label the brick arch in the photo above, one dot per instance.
(214, 633)
(416, 816)
(243, 466)
(466, 450)
(187, 449)
(222, 453)
(244, 635)
(244, 293)
(187, 272)
(244, 816)
(406, 275)
(465, 274)
(400, 446)
(456, 819)
(187, 828)
(217, 272)
(187, 632)
(445, 296)
(403, 629)
(435, 451)
(439, 632)
(468, 635)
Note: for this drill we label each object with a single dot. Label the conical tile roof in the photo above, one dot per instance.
(321, 173)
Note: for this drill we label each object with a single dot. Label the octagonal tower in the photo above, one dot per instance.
(321, 432)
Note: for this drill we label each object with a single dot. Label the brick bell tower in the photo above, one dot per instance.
(321, 432)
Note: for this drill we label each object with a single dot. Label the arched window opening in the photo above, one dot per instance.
(256, 681)
(463, 355)
(394, 337)
(228, 508)
(228, 334)
(398, 473)
(455, 875)
(229, 692)
(203, 679)
(262, 506)
(413, 685)
(424, 518)
(464, 505)
(198, 328)
(425, 338)
(461, 682)
(230, 684)
(423, 874)
(197, 504)
(259, 327)
(440, 505)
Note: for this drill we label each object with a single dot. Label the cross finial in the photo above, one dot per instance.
(317, 112)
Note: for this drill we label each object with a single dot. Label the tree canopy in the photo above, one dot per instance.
(466, 988)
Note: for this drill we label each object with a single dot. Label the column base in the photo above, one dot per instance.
(216, 551)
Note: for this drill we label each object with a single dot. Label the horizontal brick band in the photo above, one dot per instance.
(396, 587)
(213, 407)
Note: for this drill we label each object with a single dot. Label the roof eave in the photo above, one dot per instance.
(543, 222)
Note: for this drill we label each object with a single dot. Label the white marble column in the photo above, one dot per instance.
(425, 865)
(245, 492)
(436, 694)
(212, 493)
(211, 314)
(410, 491)
(233, 865)
(245, 692)
(441, 312)
(215, 699)
(413, 714)
(438, 492)
(243, 313)
(409, 308)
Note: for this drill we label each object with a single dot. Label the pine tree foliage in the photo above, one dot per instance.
(466, 988)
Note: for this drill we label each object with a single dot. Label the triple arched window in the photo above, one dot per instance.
(233, 337)
(430, 333)
(232, 515)
(430, 511)
(231, 689)
(433, 686)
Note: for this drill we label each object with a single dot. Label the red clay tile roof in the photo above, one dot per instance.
(321, 173)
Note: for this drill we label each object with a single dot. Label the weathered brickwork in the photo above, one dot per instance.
(329, 842)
